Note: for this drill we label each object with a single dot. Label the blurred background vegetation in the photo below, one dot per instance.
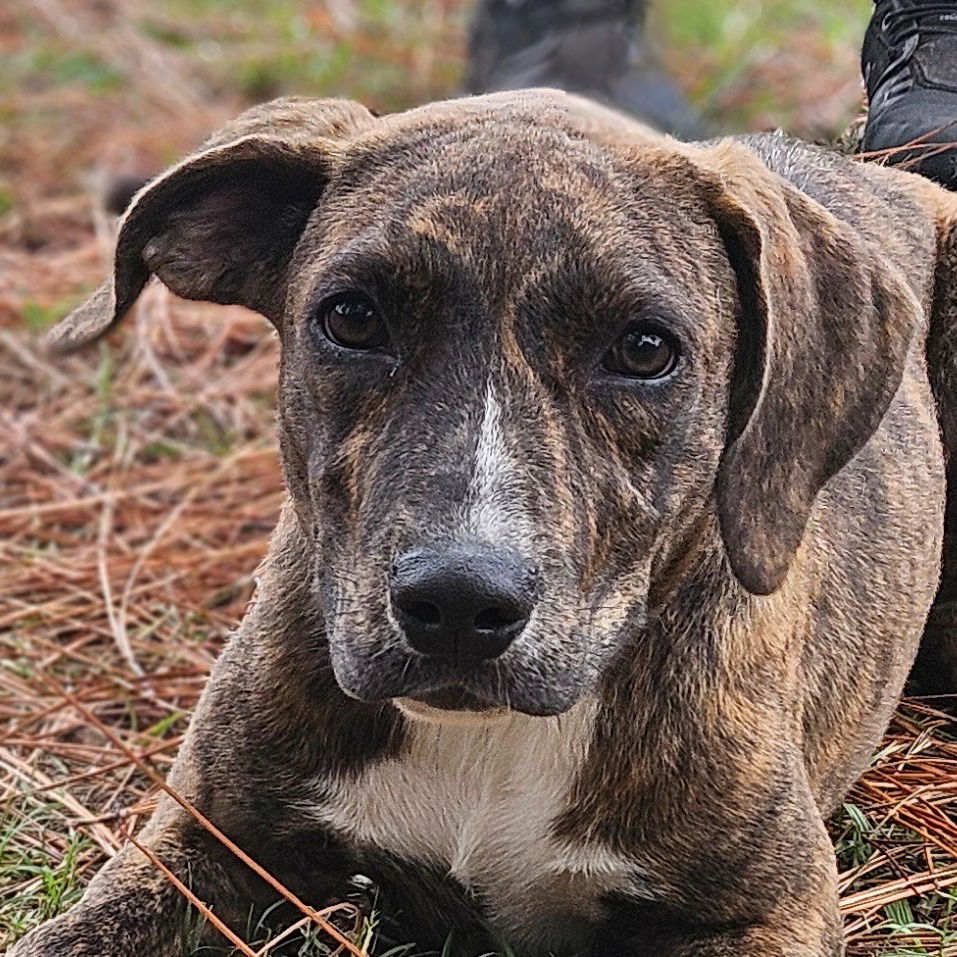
(97, 79)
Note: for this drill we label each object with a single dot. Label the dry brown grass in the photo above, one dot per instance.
(139, 481)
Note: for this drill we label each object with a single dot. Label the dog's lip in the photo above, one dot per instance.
(449, 700)
(454, 698)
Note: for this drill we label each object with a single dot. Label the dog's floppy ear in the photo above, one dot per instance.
(221, 225)
(825, 326)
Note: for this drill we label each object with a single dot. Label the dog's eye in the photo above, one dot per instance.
(645, 351)
(351, 321)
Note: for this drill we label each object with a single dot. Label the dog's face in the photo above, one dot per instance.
(508, 376)
(524, 367)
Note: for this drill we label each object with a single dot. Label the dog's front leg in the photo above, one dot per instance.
(749, 942)
(131, 907)
(774, 896)
(815, 933)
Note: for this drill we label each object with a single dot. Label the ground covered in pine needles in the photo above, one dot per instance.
(139, 481)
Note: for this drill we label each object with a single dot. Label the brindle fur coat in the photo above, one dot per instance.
(734, 562)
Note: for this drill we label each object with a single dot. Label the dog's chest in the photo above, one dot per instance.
(480, 801)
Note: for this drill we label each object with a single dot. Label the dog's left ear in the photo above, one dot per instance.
(823, 335)
(221, 226)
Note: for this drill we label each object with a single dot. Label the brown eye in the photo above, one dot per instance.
(643, 352)
(351, 321)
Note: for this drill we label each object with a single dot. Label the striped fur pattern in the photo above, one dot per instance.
(735, 562)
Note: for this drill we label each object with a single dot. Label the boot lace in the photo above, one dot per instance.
(902, 21)
(903, 26)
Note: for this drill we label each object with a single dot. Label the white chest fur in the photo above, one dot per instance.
(479, 798)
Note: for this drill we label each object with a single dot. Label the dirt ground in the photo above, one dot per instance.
(139, 481)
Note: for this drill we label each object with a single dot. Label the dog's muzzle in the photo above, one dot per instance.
(466, 632)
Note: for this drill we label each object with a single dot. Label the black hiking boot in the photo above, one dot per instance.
(909, 60)
(592, 47)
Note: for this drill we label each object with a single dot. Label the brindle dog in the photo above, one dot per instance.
(616, 506)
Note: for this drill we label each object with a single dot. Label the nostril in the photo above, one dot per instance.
(422, 611)
(497, 619)
(464, 602)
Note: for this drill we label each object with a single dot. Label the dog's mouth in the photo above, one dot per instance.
(450, 702)
(540, 677)
(455, 698)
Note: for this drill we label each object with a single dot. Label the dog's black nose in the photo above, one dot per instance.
(469, 601)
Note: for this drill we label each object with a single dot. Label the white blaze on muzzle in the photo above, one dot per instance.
(493, 509)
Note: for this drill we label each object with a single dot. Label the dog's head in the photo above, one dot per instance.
(530, 352)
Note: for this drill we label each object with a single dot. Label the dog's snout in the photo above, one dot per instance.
(463, 602)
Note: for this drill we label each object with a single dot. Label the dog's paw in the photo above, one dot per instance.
(361, 893)
(67, 937)
(40, 944)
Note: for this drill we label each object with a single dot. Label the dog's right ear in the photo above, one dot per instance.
(221, 226)
(825, 327)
